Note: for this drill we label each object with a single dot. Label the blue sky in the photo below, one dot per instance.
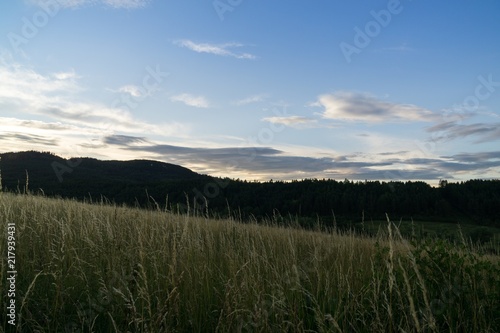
(387, 90)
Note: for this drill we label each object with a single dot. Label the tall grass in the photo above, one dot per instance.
(103, 268)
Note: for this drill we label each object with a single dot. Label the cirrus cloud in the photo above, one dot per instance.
(132, 90)
(349, 106)
(216, 49)
(291, 121)
(447, 131)
(251, 99)
(191, 100)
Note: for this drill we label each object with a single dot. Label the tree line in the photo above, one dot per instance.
(170, 187)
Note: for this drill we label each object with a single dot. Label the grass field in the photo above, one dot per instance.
(486, 238)
(102, 268)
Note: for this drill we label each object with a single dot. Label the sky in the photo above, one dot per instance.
(390, 90)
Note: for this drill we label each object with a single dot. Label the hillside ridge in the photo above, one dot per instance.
(154, 184)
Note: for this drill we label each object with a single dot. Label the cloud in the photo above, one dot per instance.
(402, 152)
(132, 90)
(191, 100)
(70, 75)
(276, 164)
(291, 121)
(117, 4)
(250, 162)
(22, 83)
(14, 124)
(64, 121)
(124, 140)
(267, 162)
(106, 119)
(428, 169)
(217, 49)
(452, 130)
(62, 139)
(251, 99)
(29, 139)
(348, 106)
(254, 160)
(476, 157)
(20, 134)
(209, 153)
(55, 96)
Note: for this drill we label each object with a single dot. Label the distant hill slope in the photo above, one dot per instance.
(80, 176)
(156, 184)
(52, 168)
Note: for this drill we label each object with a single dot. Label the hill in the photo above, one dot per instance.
(307, 202)
(122, 181)
(47, 167)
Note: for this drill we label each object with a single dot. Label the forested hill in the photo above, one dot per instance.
(142, 182)
(80, 177)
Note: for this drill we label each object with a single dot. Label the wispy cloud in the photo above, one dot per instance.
(25, 84)
(13, 124)
(253, 160)
(131, 90)
(291, 121)
(452, 130)
(394, 153)
(29, 139)
(64, 76)
(191, 100)
(216, 49)
(124, 140)
(251, 99)
(479, 157)
(56, 97)
(348, 106)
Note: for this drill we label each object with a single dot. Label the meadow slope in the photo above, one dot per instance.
(104, 268)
